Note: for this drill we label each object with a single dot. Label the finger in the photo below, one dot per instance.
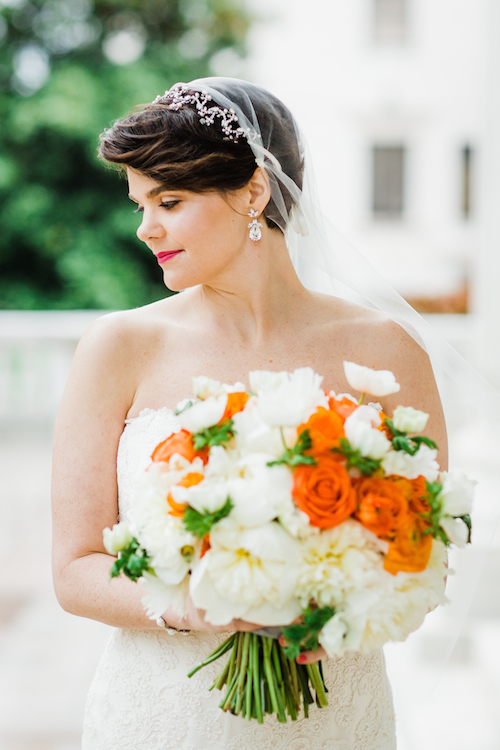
(309, 657)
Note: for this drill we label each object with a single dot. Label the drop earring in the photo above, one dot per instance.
(254, 226)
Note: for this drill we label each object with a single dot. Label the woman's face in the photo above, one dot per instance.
(196, 237)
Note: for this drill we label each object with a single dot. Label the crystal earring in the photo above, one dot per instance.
(254, 226)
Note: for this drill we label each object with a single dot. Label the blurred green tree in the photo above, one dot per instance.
(68, 68)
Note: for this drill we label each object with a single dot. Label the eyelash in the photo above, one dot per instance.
(168, 205)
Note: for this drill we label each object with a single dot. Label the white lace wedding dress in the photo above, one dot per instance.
(141, 699)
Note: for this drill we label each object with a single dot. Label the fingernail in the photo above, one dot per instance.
(302, 659)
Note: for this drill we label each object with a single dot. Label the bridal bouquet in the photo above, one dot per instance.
(287, 505)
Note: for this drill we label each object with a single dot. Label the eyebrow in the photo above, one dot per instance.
(151, 194)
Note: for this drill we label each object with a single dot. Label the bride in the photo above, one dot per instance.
(216, 171)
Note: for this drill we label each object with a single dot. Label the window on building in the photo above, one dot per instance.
(390, 19)
(467, 155)
(388, 181)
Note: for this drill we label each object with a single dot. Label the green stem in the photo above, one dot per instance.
(268, 670)
(318, 684)
(256, 677)
(248, 683)
(219, 651)
(222, 678)
(242, 671)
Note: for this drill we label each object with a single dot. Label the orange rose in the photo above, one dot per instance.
(324, 492)
(235, 403)
(415, 491)
(178, 509)
(325, 428)
(179, 442)
(344, 407)
(411, 549)
(382, 507)
(205, 545)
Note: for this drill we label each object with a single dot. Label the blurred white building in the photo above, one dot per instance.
(390, 94)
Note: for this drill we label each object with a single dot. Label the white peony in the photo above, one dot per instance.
(375, 382)
(404, 601)
(203, 414)
(264, 380)
(248, 573)
(423, 463)
(337, 563)
(160, 597)
(290, 402)
(389, 610)
(455, 529)
(457, 493)
(117, 538)
(360, 430)
(408, 419)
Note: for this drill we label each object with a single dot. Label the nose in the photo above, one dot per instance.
(149, 228)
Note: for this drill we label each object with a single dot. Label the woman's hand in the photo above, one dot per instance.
(307, 657)
(195, 620)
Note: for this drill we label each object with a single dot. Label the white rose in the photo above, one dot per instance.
(374, 382)
(408, 419)
(423, 463)
(255, 436)
(293, 401)
(360, 430)
(457, 493)
(203, 414)
(117, 538)
(455, 529)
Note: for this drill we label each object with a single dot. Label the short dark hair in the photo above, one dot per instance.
(174, 148)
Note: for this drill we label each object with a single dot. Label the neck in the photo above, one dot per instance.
(258, 295)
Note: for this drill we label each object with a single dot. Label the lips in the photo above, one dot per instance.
(163, 257)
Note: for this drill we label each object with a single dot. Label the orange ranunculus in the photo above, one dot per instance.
(415, 491)
(179, 442)
(325, 428)
(324, 492)
(178, 509)
(344, 407)
(235, 403)
(411, 549)
(382, 507)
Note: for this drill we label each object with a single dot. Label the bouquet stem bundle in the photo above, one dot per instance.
(261, 679)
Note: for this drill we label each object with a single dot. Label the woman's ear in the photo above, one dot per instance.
(258, 190)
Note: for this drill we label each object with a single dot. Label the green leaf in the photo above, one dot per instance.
(186, 406)
(218, 434)
(355, 460)
(296, 456)
(200, 524)
(132, 561)
(401, 441)
(467, 520)
(303, 636)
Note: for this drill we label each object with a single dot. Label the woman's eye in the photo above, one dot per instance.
(169, 204)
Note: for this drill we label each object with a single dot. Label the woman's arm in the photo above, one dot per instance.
(98, 396)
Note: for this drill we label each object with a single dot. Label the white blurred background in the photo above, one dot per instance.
(399, 100)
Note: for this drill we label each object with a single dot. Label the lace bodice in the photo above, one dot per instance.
(141, 699)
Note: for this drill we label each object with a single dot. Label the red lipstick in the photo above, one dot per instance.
(163, 257)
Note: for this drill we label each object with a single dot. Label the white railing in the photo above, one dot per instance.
(36, 349)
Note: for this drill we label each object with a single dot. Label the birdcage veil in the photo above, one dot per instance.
(326, 261)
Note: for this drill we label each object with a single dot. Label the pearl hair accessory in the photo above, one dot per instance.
(254, 226)
(180, 95)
